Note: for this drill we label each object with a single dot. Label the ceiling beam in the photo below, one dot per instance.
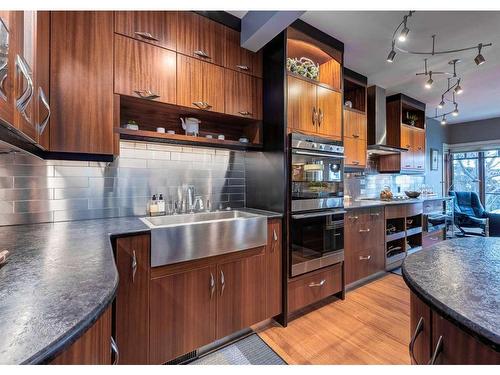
(259, 27)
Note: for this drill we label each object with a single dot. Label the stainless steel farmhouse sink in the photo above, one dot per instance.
(178, 238)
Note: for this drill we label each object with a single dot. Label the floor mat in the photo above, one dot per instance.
(251, 350)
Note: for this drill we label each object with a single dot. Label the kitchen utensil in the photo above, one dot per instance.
(132, 125)
(412, 194)
(170, 131)
(243, 140)
(160, 130)
(191, 125)
(209, 136)
(221, 137)
(348, 104)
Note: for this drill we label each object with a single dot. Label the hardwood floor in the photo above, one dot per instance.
(371, 326)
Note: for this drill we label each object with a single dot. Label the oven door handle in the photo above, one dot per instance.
(311, 153)
(317, 214)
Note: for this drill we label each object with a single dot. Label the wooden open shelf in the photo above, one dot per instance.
(150, 115)
(356, 94)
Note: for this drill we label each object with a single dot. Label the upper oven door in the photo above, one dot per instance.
(316, 174)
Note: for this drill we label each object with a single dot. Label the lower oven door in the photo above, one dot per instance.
(317, 241)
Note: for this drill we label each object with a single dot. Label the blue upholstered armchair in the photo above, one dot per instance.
(470, 213)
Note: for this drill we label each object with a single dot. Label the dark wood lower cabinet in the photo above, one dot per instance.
(92, 348)
(274, 268)
(436, 339)
(241, 299)
(132, 299)
(182, 312)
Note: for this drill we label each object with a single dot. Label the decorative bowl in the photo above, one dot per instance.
(412, 194)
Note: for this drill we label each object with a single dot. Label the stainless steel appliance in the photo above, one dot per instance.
(317, 215)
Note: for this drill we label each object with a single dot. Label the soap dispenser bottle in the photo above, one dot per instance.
(161, 205)
(153, 206)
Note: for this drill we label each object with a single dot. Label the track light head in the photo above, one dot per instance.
(442, 103)
(429, 82)
(392, 54)
(479, 59)
(443, 120)
(455, 111)
(403, 35)
(458, 89)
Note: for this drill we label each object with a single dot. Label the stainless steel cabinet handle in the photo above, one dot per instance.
(4, 68)
(320, 116)
(320, 284)
(437, 351)
(114, 349)
(243, 67)
(146, 94)
(355, 162)
(202, 105)
(212, 285)
(222, 282)
(434, 238)
(145, 35)
(3, 78)
(245, 113)
(202, 53)
(375, 214)
(353, 217)
(418, 330)
(368, 257)
(275, 239)
(355, 136)
(43, 99)
(23, 101)
(134, 265)
(364, 230)
(314, 116)
(407, 165)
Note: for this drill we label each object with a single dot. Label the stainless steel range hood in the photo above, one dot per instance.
(377, 124)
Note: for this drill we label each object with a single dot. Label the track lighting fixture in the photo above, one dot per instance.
(443, 120)
(405, 31)
(442, 103)
(458, 88)
(455, 111)
(479, 59)
(429, 82)
(392, 54)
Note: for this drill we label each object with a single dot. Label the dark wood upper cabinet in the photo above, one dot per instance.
(132, 299)
(81, 82)
(274, 268)
(155, 27)
(241, 293)
(243, 95)
(8, 41)
(200, 84)
(200, 37)
(241, 59)
(182, 312)
(144, 70)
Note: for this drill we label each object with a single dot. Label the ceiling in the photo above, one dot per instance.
(367, 37)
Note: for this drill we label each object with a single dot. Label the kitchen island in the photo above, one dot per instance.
(455, 299)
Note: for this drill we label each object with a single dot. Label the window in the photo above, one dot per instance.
(478, 172)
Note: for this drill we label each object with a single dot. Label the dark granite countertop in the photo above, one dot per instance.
(58, 280)
(460, 279)
(365, 203)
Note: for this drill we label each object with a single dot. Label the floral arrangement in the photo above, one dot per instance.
(303, 66)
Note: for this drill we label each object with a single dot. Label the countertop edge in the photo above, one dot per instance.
(486, 337)
(64, 341)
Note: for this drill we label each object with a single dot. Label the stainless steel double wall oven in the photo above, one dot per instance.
(317, 209)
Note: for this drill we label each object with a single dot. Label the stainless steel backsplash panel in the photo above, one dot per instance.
(34, 190)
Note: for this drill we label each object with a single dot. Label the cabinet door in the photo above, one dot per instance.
(241, 59)
(329, 104)
(419, 147)
(144, 70)
(132, 299)
(81, 82)
(274, 266)
(420, 331)
(182, 313)
(407, 160)
(355, 152)
(155, 27)
(200, 37)
(301, 108)
(199, 84)
(458, 347)
(7, 65)
(354, 124)
(241, 290)
(243, 95)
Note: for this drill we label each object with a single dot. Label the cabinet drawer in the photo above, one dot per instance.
(314, 287)
(364, 228)
(431, 238)
(364, 262)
